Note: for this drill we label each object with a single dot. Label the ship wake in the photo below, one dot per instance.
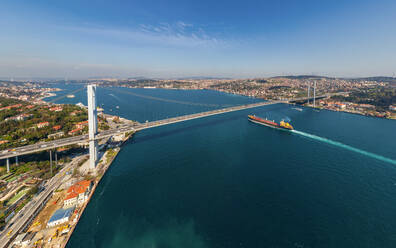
(347, 147)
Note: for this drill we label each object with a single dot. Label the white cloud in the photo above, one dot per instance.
(179, 34)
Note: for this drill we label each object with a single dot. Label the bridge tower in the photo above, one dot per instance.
(92, 126)
(314, 94)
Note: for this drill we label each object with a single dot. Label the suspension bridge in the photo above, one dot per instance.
(92, 138)
(93, 135)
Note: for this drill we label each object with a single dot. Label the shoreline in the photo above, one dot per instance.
(254, 97)
(348, 112)
(59, 239)
(97, 180)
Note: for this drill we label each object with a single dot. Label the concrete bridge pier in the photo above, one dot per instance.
(92, 126)
(8, 165)
(16, 160)
(51, 161)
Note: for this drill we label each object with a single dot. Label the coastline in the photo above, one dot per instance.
(348, 112)
(254, 97)
(54, 235)
(98, 178)
(102, 169)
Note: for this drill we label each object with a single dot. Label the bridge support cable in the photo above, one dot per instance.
(170, 100)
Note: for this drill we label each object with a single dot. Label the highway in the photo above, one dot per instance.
(42, 146)
(23, 217)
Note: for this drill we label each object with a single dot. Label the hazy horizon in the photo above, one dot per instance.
(16, 79)
(180, 39)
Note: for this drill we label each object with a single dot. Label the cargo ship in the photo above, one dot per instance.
(282, 125)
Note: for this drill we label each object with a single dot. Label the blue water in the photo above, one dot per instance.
(346, 147)
(222, 181)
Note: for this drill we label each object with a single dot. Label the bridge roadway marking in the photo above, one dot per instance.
(23, 150)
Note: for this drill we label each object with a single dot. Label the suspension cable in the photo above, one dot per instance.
(169, 100)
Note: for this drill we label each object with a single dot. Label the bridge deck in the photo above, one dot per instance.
(28, 149)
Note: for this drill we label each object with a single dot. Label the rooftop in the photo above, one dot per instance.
(77, 188)
(61, 213)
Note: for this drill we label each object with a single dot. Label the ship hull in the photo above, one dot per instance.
(268, 125)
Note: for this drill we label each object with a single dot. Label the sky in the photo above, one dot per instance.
(183, 38)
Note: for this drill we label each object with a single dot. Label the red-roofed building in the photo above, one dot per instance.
(57, 127)
(56, 109)
(82, 124)
(11, 107)
(74, 131)
(340, 105)
(78, 193)
(42, 124)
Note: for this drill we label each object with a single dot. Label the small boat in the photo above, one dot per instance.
(298, 109)
(70, 96)
(282, 125)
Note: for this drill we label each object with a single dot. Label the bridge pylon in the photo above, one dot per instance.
(92, 126)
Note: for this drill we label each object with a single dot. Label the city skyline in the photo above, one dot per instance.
(221, 39)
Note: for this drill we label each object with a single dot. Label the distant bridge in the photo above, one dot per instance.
(306, 99)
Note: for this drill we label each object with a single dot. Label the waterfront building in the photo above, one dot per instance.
(60, 216)
(78, 193)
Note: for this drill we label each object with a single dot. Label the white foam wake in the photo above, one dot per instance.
(347, 147)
